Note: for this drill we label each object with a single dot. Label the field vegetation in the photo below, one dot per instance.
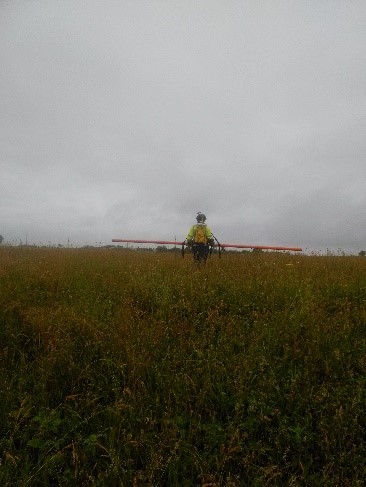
(123, 368)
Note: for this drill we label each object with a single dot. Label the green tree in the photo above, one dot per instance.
(1, 239)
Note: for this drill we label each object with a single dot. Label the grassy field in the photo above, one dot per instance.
(123, 368)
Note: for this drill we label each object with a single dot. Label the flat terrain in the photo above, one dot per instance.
(133, 368)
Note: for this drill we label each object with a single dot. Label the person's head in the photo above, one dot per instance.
(201, 218)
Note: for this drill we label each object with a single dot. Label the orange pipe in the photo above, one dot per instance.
(235, 246)
(261, 247)
(167, 242)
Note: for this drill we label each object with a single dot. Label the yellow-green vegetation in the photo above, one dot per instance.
(128, 368)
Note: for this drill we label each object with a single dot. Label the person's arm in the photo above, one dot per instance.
(209, 235)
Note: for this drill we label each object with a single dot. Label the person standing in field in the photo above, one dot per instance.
(200, 239)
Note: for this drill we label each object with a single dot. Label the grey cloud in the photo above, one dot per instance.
(127, 118)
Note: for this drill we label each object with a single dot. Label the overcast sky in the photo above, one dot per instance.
(122, 119)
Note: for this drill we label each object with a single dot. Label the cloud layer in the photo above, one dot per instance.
(123, 119)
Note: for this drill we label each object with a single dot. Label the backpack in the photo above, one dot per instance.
(199, 234)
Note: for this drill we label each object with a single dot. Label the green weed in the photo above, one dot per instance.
(127, 368)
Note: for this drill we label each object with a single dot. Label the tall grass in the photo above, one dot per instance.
(127, 368)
